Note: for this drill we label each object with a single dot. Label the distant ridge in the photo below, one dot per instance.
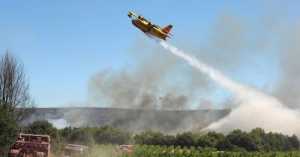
(130, 119)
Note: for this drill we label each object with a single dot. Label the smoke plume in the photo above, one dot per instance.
(288, 89)
(147, 84)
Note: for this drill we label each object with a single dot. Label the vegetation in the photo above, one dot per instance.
(237, 140)
(84, 135)
(171, 151)
(14, 98)
(100, 135)
(8, 131)
(256, 140)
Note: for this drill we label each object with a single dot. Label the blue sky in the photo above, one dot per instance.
(63, 43)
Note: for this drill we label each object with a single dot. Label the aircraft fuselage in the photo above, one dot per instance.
(149, 28)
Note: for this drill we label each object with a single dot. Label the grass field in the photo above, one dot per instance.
(159, 151)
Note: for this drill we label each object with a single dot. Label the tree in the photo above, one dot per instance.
(14, 97)
(294, 142)
(8, 131)
(258, 136)
(242, 140)
(14, 88)
(185, 139)
(81, 136)
(42, 127)
(106, 134)
(149, 138)
(211, 139)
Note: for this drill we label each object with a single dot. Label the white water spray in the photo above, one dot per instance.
(256, 109)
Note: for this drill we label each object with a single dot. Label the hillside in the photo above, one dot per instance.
(130, 119)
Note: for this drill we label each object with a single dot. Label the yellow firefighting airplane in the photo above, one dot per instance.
(148, 28)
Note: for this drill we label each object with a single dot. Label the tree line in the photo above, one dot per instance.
(237, 140)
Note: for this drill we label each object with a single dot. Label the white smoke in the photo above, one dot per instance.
(255, 109)
(59, 123)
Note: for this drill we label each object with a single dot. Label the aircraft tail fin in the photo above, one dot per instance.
(167, 29)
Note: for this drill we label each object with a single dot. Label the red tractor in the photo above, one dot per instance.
(29, 145)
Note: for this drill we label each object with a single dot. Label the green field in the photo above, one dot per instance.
(162, 151)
